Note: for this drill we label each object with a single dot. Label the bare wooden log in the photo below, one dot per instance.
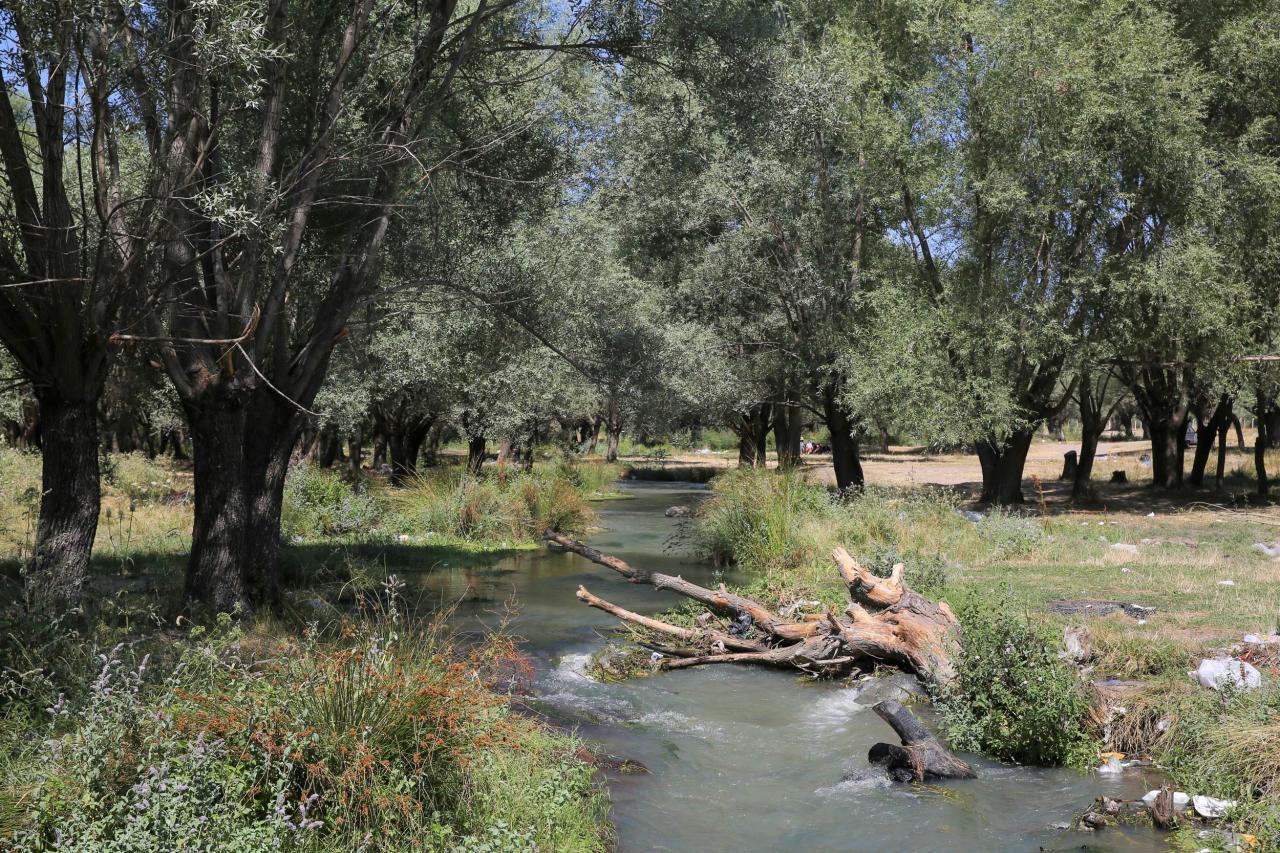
(692, 634)
(886, 623)
(921, 756)
(721, 601)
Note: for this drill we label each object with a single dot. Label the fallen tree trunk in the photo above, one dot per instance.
(921, 756)
(886, 622)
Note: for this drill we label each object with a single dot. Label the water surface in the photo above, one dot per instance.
(743, 759)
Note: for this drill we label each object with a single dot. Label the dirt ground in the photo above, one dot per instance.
(915, 466)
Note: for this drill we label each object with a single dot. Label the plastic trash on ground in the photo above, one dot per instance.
(1215, 673)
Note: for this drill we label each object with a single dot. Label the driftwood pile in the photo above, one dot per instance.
(885, 622)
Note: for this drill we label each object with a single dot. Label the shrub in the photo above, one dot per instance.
(1013, 697)
(763, 520)
(502, 506)
(371, 736)
(320, 503)
(143, 480)
(1009, 534)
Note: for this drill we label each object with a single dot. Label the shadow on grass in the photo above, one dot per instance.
(143, 580)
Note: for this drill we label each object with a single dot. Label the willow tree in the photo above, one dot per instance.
(1067, 143)
(291, 177)
(78, 239)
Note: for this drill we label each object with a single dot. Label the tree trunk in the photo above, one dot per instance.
(272, 431)
(1206, 434)
(406, 446)
(613, 431)
(1224, 429)
(920, 756)
(753, 436)
(1168, 441)
(1091, 424)
(475, 454)
(594, 440)
(1260, 444)
(844, 442)
(355, 452)
(884, 438)
(328, 453)
(69, 504)
(221, 509)
(1002, 465)
(787, 426)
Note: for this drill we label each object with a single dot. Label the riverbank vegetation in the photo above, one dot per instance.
(348, 722)
(296, 296)
(1018, 696)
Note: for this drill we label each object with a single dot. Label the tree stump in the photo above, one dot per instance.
(921, 756)
(1070, 462)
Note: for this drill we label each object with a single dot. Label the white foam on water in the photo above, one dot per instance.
(853, 787)
(835, 710)
(676, 722)
(572, 669)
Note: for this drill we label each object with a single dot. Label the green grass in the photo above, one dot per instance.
(186, 738)
(373, 732)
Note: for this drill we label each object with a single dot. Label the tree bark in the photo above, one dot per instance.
(1260, 444)
(921, 756)
(217, 424)
(69, 503)
(844, 441)
(787, 424)
(613, 431)
(272, 431)
(406, 446)
(355, 452)
(475, 454)
(1002, 465)
(1207, 431)
(1092, 422)
(753, 436)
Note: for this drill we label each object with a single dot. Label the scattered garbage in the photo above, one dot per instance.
(1112, 763)
(1226, 583)
(970, 515)
(1125, 547)
(741, 625)
(1215, 673)
(1151, 515)
(1269, 550)
(1180, 800)
(801, 604)
(1234, 842)
(1256, 640)
(403, 537)
(654, 657)
(1095, 607)
(1211, 807)
(1145, 460)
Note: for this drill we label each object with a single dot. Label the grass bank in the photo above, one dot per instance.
(1015, 697)
(373, 733)
(345, 724)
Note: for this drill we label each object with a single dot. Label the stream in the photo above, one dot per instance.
(743, 759)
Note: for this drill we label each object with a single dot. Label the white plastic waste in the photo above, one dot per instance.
(1180, 800)
(1125, 547)
(1215, 673)
(1211, 807)
(1269, 550)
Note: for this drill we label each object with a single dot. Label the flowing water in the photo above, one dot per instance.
(743, 759)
